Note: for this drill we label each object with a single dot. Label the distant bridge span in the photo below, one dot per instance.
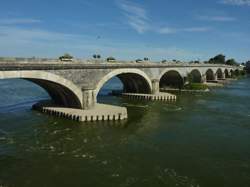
(76, 85)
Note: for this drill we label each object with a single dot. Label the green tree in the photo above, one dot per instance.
(218, 59)
(111, 59)
(66, 57)
(138, 60)
(231, 62)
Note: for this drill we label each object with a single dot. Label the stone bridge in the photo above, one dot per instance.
(76, 85)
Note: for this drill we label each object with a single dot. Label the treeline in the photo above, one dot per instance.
(221, 59)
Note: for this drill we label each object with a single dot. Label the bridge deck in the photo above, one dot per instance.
(5, 66)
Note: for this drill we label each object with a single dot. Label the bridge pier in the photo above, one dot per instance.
(155, 95)
(203, 79)
(160, 96)
(101, 112)
(89, 99)
(155, 86)
(223, 76)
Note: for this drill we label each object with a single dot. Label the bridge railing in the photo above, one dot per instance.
(49, 63)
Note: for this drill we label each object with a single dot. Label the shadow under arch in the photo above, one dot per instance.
(63, 92)
(133, 80)
(195, 76)
(237, 72)
(210, 75)
(172, 79)
(219, 73)
(226, 73)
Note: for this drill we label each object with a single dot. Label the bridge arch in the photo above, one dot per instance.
(226, 72)
(210, 75)
(134, 81)
(232, 72)
(196, 76)
(219, 73)
(63, 92)
(237, 72)
(172, 78)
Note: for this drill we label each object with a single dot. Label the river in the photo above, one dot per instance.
(199, 140)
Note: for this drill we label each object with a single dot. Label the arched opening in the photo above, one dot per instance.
(210, 75)
(61, 91)
(22, 94)
(219, 74)
(60, 95)
(237, 72)
(195, 76)
(134, 83)
(232, 73)
(19, 94)
(226, 74)
(113, 86)
(123, 82)
(172, 79)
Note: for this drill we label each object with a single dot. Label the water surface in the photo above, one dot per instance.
(200, 140)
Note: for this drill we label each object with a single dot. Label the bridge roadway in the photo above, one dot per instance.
(75, 85)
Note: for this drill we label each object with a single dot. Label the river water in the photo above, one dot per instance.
(200, 140)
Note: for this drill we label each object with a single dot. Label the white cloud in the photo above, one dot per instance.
(16, 41)
(196, 29)
(169, 30)
(17, 33)
(236, 2)
(217, 18)
(136, 15)
(14, 21)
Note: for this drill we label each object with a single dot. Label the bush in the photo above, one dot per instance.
(111, 59)
(66, 57)
(138, 60)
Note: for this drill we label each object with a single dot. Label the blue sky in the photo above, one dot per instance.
(126, 29)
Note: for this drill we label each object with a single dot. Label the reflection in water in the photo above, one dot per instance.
(201, 140)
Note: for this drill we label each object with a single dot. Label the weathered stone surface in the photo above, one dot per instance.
(76, 85)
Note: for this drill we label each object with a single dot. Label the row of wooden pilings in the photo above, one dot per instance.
(160, 97)
(80, 117)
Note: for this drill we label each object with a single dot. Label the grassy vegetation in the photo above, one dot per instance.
(196, 86)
